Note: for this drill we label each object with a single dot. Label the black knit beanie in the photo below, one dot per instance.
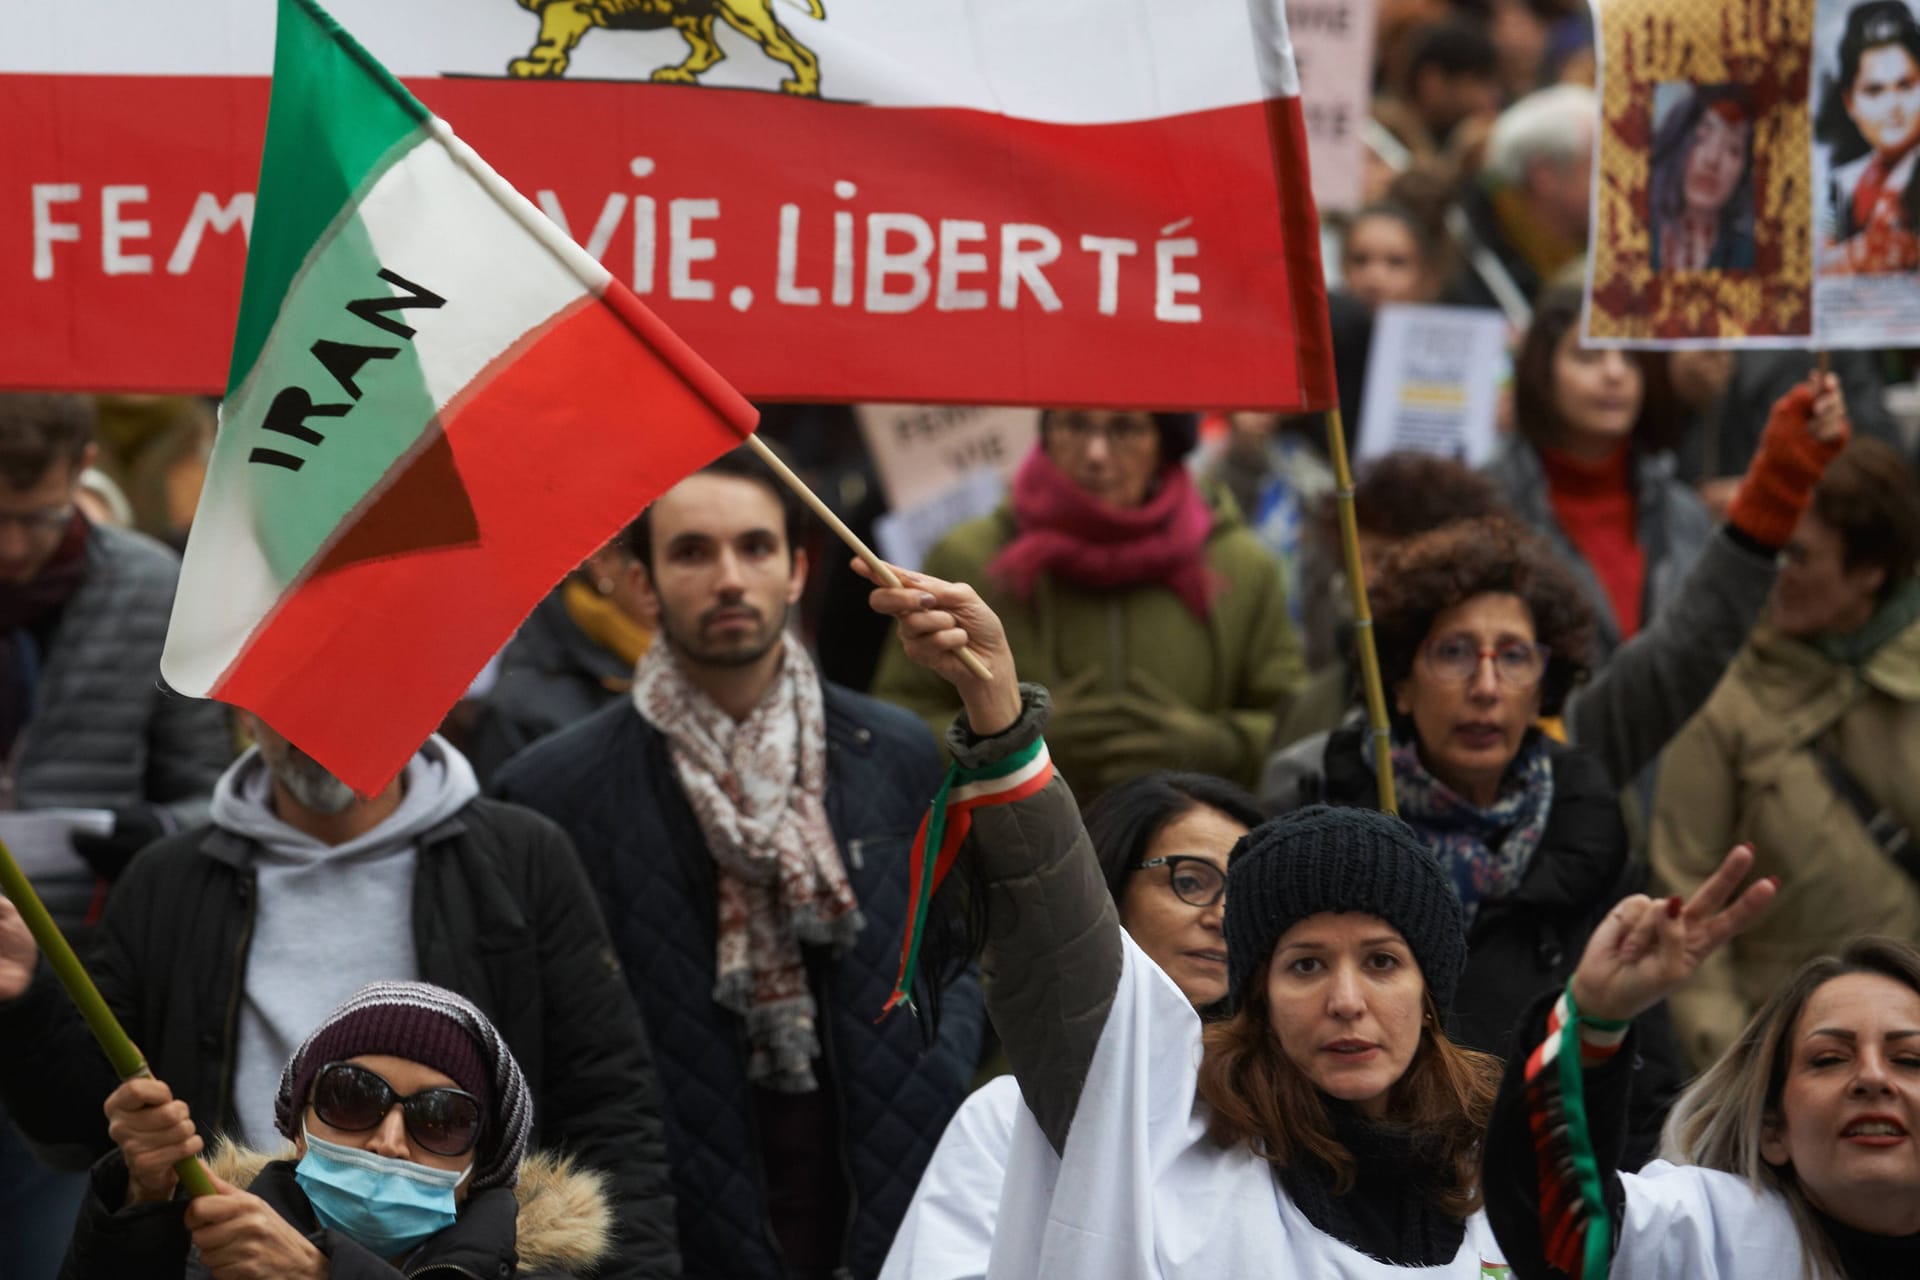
(436, 1028)
(1323, 859)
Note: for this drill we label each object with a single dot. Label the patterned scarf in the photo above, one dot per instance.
(1487, 850)
(758, 789)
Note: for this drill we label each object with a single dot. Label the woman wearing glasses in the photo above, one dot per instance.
(1482, 633)
(1137, 594)
(1162, 841)
(409, 1121)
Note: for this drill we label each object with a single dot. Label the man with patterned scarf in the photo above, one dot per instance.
(747, 826)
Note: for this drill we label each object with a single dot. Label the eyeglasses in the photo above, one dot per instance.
(1517, 664)
(352, 1099)
(1118, 432)
(45, 522)
(1194, 880)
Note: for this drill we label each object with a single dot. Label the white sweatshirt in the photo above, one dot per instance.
(1141, 1192)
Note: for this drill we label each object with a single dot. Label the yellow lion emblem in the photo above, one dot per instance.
(564, 22)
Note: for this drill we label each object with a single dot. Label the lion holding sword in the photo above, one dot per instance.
(564, 22)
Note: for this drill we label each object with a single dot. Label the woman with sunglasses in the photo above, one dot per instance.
(1163, 841)
(1482, 634)
(409, 1121)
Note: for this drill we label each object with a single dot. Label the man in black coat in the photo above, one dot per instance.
(219, 945)
(746, 826)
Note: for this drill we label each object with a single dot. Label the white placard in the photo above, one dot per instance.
(1333, 49)
(923, 450)
(1433, 382)
(905, 536)
(41, 840)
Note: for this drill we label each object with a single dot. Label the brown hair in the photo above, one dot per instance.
(1536, 411)
(1259, 1098)
(37, 430)
(1425, 577)
(1868, 497)
(1720, 1121)
(1400, 494)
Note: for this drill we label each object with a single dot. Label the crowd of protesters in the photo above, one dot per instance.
(595, 986)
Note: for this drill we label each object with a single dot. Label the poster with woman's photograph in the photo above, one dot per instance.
(1701, 206)
(1866, 127)
(1700, 181)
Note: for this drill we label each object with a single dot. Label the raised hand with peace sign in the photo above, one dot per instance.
(1647, 948)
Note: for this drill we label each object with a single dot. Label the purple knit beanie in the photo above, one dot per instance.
(436, 1028)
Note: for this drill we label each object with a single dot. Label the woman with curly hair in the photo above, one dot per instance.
(1482, 634)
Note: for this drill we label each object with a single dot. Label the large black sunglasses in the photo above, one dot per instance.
(1194, 880)
(352, 1099)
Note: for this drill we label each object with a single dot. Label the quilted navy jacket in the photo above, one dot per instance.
(608, 780)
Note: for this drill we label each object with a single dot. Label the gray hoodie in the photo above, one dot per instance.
(328, 918)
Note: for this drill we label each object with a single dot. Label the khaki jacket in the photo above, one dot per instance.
(1746, 769)
(1236, 665)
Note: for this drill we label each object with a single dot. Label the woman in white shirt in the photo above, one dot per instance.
(1162, 840)
(1797, 1154)
(1327, 1128)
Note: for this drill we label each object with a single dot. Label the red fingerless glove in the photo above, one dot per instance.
(1779, 482)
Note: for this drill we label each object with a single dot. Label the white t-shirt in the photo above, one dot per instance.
(948, 1231)
(1688, 1223)
(1141, 1193)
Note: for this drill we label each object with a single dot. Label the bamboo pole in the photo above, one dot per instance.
(881, 569)
(1362, 614)
(120, 1050)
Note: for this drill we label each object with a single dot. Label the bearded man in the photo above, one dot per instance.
(747, 826)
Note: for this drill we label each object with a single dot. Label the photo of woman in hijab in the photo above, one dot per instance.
(1870, 119)
(1700, 192)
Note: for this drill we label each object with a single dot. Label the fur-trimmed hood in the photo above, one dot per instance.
(564, 1222)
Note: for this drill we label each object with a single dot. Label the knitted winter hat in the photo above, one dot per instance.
(436, 1028)
(1327, 859)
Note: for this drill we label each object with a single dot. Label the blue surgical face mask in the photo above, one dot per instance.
(388, 1206)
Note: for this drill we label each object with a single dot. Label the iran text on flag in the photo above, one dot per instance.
(988, 201)
(438, 405)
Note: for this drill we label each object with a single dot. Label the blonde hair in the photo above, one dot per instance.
(1722, 1119)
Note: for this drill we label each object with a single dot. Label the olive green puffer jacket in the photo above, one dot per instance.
(1234, 667)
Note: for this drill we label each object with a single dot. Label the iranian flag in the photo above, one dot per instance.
(1001, 202)
(437, 405)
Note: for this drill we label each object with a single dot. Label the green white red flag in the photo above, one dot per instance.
(999, 202)
(437, 404)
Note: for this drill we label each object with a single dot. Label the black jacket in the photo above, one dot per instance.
(501, 915)
(114, 1240)
(551, 674)
(1530, 941)
(610, 781)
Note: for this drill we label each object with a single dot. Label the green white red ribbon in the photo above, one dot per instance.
(944, 829)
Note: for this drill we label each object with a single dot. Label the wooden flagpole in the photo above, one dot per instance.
(1362, 614)
(120, 1050)
(881, 569)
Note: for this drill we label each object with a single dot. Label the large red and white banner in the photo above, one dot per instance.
(987, 201)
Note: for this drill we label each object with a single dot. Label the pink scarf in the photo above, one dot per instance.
(1071, 535)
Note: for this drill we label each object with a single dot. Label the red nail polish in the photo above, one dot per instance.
(1673, 907)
